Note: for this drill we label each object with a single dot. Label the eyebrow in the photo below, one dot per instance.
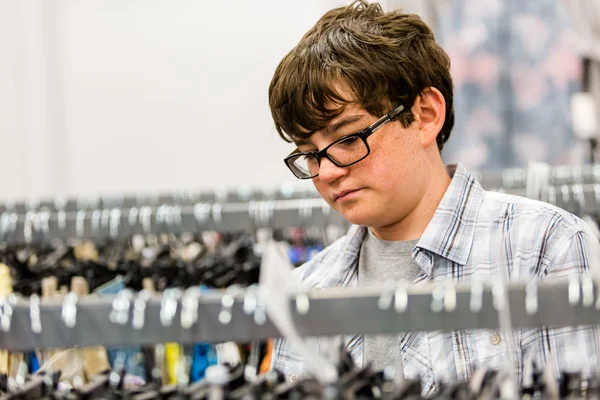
(336, 126)
(342, 123)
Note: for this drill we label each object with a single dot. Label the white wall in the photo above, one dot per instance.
(142, 95)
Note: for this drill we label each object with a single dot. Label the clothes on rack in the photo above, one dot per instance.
(354, 382)
(473, 236)
(165, 261)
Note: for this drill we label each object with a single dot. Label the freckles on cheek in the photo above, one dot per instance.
(384, 167)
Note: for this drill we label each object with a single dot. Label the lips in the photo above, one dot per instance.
(339, 195)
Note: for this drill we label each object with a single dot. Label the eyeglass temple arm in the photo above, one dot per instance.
(386, 118)
(395, 112)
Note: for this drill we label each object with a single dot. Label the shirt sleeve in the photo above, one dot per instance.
(567, 349)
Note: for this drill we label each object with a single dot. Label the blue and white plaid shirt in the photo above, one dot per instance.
(474, 234)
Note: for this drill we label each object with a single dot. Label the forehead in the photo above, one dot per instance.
(350, 119)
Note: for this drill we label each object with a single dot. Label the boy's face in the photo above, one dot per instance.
(384, 187)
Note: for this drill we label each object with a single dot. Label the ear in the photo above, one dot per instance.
(429, 110)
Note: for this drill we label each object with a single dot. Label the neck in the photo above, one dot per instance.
(414, 224)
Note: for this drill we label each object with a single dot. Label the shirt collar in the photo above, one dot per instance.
(450, 232)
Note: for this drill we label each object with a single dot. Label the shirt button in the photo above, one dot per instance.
(293, 377)
(495, 339)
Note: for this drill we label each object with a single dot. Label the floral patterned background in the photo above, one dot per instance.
(515, 67)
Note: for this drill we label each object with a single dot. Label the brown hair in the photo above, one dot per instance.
(382, 60)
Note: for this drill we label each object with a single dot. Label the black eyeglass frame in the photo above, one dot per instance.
(363, 135)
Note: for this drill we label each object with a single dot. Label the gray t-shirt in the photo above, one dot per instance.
(382, 260)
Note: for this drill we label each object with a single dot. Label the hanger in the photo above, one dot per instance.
(98, 387)
(36, 387)
(265, 383)
(276, 286)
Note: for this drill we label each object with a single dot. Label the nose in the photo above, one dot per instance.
(329, 172)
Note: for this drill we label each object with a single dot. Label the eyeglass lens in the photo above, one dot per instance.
(345, 152)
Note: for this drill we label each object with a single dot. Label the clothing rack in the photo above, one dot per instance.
(238, 315)
(98, 223)
(117, 222)
(183, 197)
(511, 180)
(516, 178)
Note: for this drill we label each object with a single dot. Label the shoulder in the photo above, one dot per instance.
(527, 214)
(533, 232)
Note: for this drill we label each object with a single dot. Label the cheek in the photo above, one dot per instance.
(389, 164)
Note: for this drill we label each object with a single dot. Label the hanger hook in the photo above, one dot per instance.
(80, 224)
(34, 313)
(587, 291)
(252, 215)
(250, 299)
(401, 296)
(531, 298)
(7, 311)
(498, 292)
(146, 219)
(177, 218)
(115, 222)
(121, 305)
(189, 307)
(69, 310)
(4, 224)
(450, 297)
(574, 291)
(579, 196)
(260, 314)
(170, 218)
(437, 302)
(227, 302)
(44, 217)
(254, 305)
(133, 216)
(14, 224)
(566, 197)
(168, 307)
(217, 216)
(201, 211)
(387, 294)
(162, 217)
(139, 309)
(28, 227)
(476, 298)
(96, 218)
(302, 303)
(270, 213)
(105, 219)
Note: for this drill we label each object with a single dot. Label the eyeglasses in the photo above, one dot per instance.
(343, 152)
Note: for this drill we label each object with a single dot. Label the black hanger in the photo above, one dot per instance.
(303, 388)
(408, 389)
(265, 383)
(3, 382)
(37, 387)
(593, 390)
(107, 385)
(570, 385)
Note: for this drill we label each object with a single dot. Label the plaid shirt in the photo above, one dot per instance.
(474, 234)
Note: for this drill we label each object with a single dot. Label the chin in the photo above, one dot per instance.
(359, 216)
